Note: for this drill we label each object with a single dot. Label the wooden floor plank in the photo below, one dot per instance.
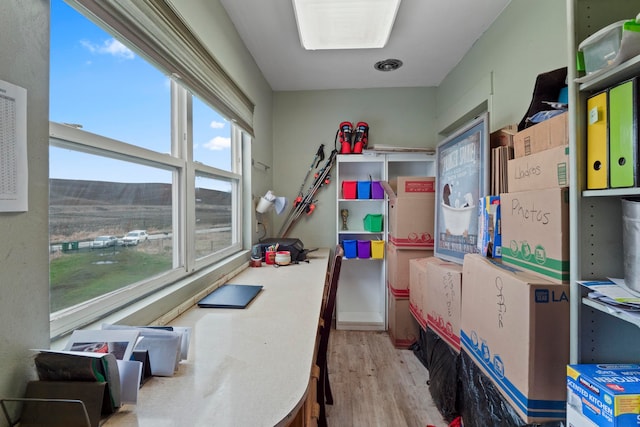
(376, 384)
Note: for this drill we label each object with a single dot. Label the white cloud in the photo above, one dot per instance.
(109, 47)
(216, 125)
(218, 143)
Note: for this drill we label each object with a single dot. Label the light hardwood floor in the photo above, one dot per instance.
(375, 384)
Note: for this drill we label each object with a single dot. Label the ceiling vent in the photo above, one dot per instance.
(388, 65)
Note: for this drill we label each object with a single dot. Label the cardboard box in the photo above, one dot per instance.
(551, 133)
(515, 327)
(503, 137)
(411, 211)
(443, 300)
(535, 232)
(398, 267)
(489, 227)
(546, 169)
(418, 287)
(403, 329)
(605, 395)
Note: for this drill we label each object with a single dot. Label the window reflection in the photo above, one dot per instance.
(83, 210)
(214, 215)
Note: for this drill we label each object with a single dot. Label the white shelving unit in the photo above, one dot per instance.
(598, 334)
(362, 298)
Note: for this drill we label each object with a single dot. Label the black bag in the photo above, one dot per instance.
(293, 245)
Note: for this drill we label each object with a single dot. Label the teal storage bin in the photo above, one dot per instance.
(373, 222)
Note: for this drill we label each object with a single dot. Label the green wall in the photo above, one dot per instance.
(24, 257)
(497, 74)
(499, 71)
(528, 38)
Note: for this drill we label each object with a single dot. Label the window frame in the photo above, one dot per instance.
(183, 202)
(157, 33)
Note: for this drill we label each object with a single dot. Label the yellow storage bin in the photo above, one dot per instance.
(377, 249)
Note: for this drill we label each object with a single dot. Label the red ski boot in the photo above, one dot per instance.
(345, 133)
(361, 137)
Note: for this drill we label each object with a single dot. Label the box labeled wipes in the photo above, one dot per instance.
(605, 395)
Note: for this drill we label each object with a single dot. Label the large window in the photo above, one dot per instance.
(145, 177)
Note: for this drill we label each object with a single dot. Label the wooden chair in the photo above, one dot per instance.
(326, 319)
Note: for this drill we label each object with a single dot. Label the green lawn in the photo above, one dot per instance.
(79, 276)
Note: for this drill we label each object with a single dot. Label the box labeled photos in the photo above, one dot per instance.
(535, 232)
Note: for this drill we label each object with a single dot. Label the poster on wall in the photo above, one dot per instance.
(462, 179)
(13, 148)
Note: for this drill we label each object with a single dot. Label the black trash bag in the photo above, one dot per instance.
(443, 368)
(442, 362)
(482, 403)
(547, 88)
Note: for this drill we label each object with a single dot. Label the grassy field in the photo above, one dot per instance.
(78, 276)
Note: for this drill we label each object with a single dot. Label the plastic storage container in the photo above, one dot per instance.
(377, 249)
(377, 192)
(364, 189)
(601, 48)
(364, 249)
(349, 189)
(373, 222)
(350, 248)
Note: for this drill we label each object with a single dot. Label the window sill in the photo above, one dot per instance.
(166, 304)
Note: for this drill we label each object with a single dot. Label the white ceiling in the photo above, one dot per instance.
(429, 37)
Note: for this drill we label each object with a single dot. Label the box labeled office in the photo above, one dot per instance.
(545, 169)
(515, 328)
(411, 211)
(535, 232)
(550, 133)
(605, 395)
(443, 300)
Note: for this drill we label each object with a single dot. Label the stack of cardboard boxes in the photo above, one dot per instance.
(411, 231)
(535, 211)
(509, 318)
(515, 321)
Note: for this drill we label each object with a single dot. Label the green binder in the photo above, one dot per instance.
(623, 140)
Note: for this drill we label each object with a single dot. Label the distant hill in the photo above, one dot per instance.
(82, 209)
(83, 192)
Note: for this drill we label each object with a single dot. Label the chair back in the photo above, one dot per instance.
(332, 291)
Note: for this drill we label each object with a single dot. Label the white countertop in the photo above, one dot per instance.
(247, 367)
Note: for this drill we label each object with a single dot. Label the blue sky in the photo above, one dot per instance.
(100, 84)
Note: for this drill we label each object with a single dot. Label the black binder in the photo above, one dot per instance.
(230, 296)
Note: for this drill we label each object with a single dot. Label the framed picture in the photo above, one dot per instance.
(462, 179)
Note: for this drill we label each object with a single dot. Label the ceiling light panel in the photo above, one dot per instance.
(345, 24)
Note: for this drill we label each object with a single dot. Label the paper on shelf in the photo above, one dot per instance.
(165, 347)
(611, 289)
(130, 375)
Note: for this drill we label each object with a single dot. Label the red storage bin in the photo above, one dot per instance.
(349, 189)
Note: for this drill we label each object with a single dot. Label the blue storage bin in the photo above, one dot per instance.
(350, 248)
(364, 189)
